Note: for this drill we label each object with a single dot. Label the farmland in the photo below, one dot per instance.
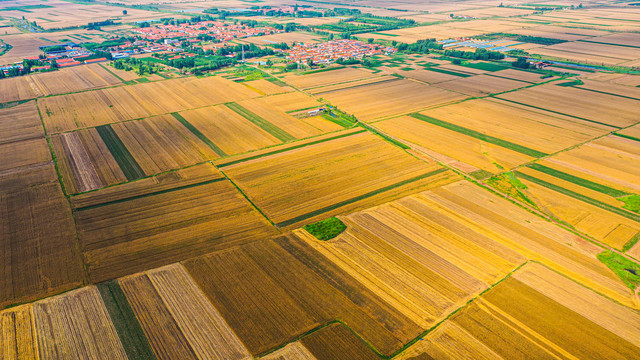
(460, 180)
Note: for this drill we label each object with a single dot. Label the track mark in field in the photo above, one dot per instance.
(262, 123)
(199, 134)
(121, 154)
(80, 162)
(358, 198)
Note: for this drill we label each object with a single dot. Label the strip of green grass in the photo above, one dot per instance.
(580, 197)
(448, 72)
(148, 195)
(571, 83)
(129, 165)
(135, 343)
(486, 138)
(326, 229)
(485, 66)
(358, 198)
(289, 149)
(629, 244)
(626, 269)
(578, 180)
(338, 120)
(627, 137)
(262, 123)
(383, 34)
(200, 135)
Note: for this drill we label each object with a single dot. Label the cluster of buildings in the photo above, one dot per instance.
(328, 52)
(215, 29)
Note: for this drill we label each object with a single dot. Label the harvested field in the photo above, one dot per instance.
(162, 143)
(526, 76)
(545, 132)
(328, 77)
(99, 107)
(18, 335)
(271, 292)
(76, 324)
(265, 87)
(290, 102)
(481, 85)
(126, 235)
(453, 144)
(591, 106)
(293, 127)
(21, 122)
(292, 351)
(229, 132)
(389, 98)
(321, 123)
(431, 77)
(591, 51)
(177, 318)
(336, 341)
(318, 91)
(38, 260)
(23, 153)
(85, 162)
(354, 168)
(519, 318)
(63, 81)
(612, 89)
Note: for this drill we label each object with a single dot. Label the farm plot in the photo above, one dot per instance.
(265, 87)
(99, 107)
(431, 77)
(37, 260)
(271, 292)
(612, 89)
(336, 341)
(542, 131)
(591, 52)
(481, 85)
(295, 128)
(20, 122)
(226, 130)
(519, 318)
(389, 98)
(57, 82)
(590, 106)
(416, 258)
(520, 75)
(473, 152)
(290, 102)
(129, 234)
(331, 177)
(23, 153)
(318, 91)
(76, 324)
(177, 318)
(328, 77)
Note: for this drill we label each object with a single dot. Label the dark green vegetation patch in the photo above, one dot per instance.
(578, 180)
(626, 269)
(326, 229)
(123, 157)
(631, 202)
(199, 134)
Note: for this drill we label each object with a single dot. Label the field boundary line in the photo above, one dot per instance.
(295, 147)
(159, 192)
(248, 199)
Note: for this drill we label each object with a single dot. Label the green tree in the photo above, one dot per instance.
(124, 12)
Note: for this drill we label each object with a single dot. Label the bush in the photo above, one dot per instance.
(326, 229)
